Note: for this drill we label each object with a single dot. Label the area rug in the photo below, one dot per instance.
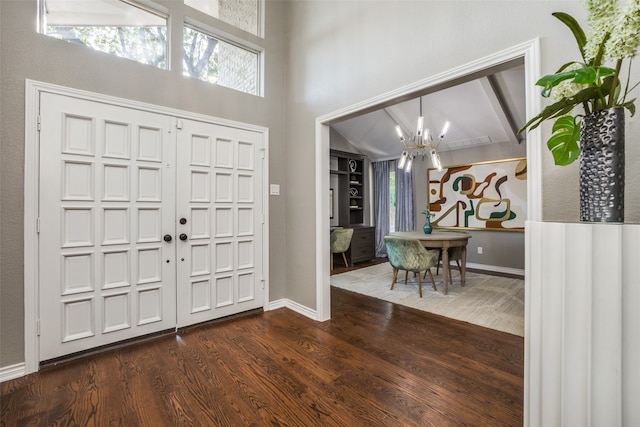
(490, 301)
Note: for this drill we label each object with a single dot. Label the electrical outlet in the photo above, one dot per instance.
(480, 250)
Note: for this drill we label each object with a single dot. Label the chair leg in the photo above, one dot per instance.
(395, 276)
(419, 283)
(433, 282)
(406, 276)
(331, 258)
(344, 257)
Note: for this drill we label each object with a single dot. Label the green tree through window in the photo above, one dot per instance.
(142, 44)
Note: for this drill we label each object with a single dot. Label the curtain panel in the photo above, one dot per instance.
(404, 200)
(381, 204)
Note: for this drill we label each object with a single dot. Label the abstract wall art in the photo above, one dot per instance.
(480, 196)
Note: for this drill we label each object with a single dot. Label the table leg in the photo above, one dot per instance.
(463, 268)
(446, 272)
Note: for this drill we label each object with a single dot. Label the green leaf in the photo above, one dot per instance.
(560, 108)
(604, 71)
(631, 106)
(563, 143)
(568, 64)
(601, 48)
(584, 76)
(565, 105)
(552, 80)
(575, 28)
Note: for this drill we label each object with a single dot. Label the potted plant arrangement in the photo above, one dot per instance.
(595, 135)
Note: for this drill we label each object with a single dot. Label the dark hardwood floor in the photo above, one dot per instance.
(372, 364)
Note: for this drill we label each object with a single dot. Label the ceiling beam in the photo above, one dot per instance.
(504, 106)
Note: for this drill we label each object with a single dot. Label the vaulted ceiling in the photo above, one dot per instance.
(486, 110)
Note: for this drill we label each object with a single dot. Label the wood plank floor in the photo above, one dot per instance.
(372, 364)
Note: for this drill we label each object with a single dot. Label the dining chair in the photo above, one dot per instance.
(339, 243)
(455, 254)
(409, 255)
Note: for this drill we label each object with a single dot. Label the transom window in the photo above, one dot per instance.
(113, 26)
(137, 30)
(241, 14)
(216, 61)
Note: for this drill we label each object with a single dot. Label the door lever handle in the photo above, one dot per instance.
(183, 237)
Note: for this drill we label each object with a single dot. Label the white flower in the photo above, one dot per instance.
(625, 35)
(601, 19)
(567, 88)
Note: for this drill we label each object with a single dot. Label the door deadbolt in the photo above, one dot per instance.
(183, 237)
(167, 237)
(183, 221)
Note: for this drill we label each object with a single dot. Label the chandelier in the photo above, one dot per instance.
(420, 143)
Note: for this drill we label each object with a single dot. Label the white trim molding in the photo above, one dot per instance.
(529, 50)
(292, 305)
(496, 269)
(12, 372)
(582, 339)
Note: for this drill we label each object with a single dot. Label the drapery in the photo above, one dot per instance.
(404, 200)
(381, 204)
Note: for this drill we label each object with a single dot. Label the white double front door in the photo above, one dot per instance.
(147, 222)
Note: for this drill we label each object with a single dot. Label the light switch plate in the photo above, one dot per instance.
(274, 189)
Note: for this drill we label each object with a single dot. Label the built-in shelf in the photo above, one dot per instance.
(349, 182)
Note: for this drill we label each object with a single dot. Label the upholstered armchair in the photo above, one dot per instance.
(339, 243)
(455, 254)
(409, 255)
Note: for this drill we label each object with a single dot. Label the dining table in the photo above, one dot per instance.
(443, 240)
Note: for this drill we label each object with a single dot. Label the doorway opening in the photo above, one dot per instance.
(527, 52)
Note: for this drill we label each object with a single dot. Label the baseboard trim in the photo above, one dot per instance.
(496, 268)
(12, 372)
(292, 305)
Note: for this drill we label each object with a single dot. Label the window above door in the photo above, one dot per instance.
(138, 30)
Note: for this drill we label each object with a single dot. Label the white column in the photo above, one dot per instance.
(582, 325)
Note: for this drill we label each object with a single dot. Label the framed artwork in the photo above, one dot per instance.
(479, 196)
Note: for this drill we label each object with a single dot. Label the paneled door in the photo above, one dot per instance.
(147, 222)
(107, 195)
(220, 221)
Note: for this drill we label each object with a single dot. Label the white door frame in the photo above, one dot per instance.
(31, 195)
(530, 51)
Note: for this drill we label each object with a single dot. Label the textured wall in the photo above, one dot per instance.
(346, 52)
(28, 55)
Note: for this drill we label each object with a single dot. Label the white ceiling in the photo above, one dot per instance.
(487, 110)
